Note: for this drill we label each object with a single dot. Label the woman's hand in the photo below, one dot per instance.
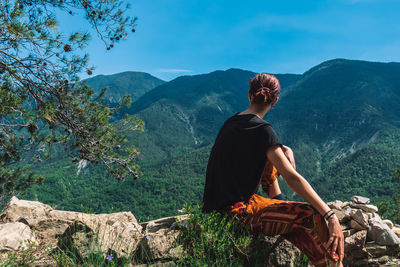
(335, 242)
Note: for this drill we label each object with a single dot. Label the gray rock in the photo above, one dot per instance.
(14, 236)
(345, 204)
(345, 227)
(361, 218)
(360, 199)
(376, 250)
(356, 241)
(28, 212)
(389, 223)
(374, 215)
(356, 225)
(342, 215)
(163, 223)
(393, 250)
(365, 207)
(284, 255)
(159, 246)
(351, 210)
(381, 233)
(55, 226)
(396, 230)
(179, 224)
(347, 208)
(384, 261)
(360, 262)
(354, 249)
(337, 204)
(154, 241)
(347, 233)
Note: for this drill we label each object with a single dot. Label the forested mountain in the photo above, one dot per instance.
(342, 119)
(346, 119)
(130, 82)
(188, 111)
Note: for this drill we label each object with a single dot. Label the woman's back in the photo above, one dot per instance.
(237, 161)
(238, 158)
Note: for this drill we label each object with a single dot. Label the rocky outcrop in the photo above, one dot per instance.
(39, 223)
(15, 235)
(369, 240)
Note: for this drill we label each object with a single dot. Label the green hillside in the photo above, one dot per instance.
(341, 111)
(367, 171)
(342, 119)
(188, 111)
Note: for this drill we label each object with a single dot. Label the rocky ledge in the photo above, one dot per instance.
(369, 240)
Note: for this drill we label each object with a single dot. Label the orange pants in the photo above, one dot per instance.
(298, 222)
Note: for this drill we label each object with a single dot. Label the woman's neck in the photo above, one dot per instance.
(258, 111)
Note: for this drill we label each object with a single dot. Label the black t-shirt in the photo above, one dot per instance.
(237, 161)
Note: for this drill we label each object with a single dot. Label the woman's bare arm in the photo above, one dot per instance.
(289, 155)
(304, 190)
(274, 188)
(295, 180)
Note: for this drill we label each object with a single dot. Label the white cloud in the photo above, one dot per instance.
(174, 70)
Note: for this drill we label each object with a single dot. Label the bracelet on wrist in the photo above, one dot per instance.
(327, 213)
(330, 216)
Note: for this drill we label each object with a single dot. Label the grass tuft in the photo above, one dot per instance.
(215, 239)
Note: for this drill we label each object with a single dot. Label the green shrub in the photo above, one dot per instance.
(215, 239)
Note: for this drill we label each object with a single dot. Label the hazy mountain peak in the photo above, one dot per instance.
(350, 65)
(235, 70)
(129, 82)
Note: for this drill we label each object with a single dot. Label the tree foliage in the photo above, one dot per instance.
(42, 101)
(390, 208)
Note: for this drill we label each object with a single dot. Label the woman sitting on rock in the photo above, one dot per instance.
(245, 154)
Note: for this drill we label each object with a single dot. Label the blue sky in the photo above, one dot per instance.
(187, 37)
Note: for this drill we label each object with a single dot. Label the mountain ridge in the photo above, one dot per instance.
(340, 123)
(128, 82)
